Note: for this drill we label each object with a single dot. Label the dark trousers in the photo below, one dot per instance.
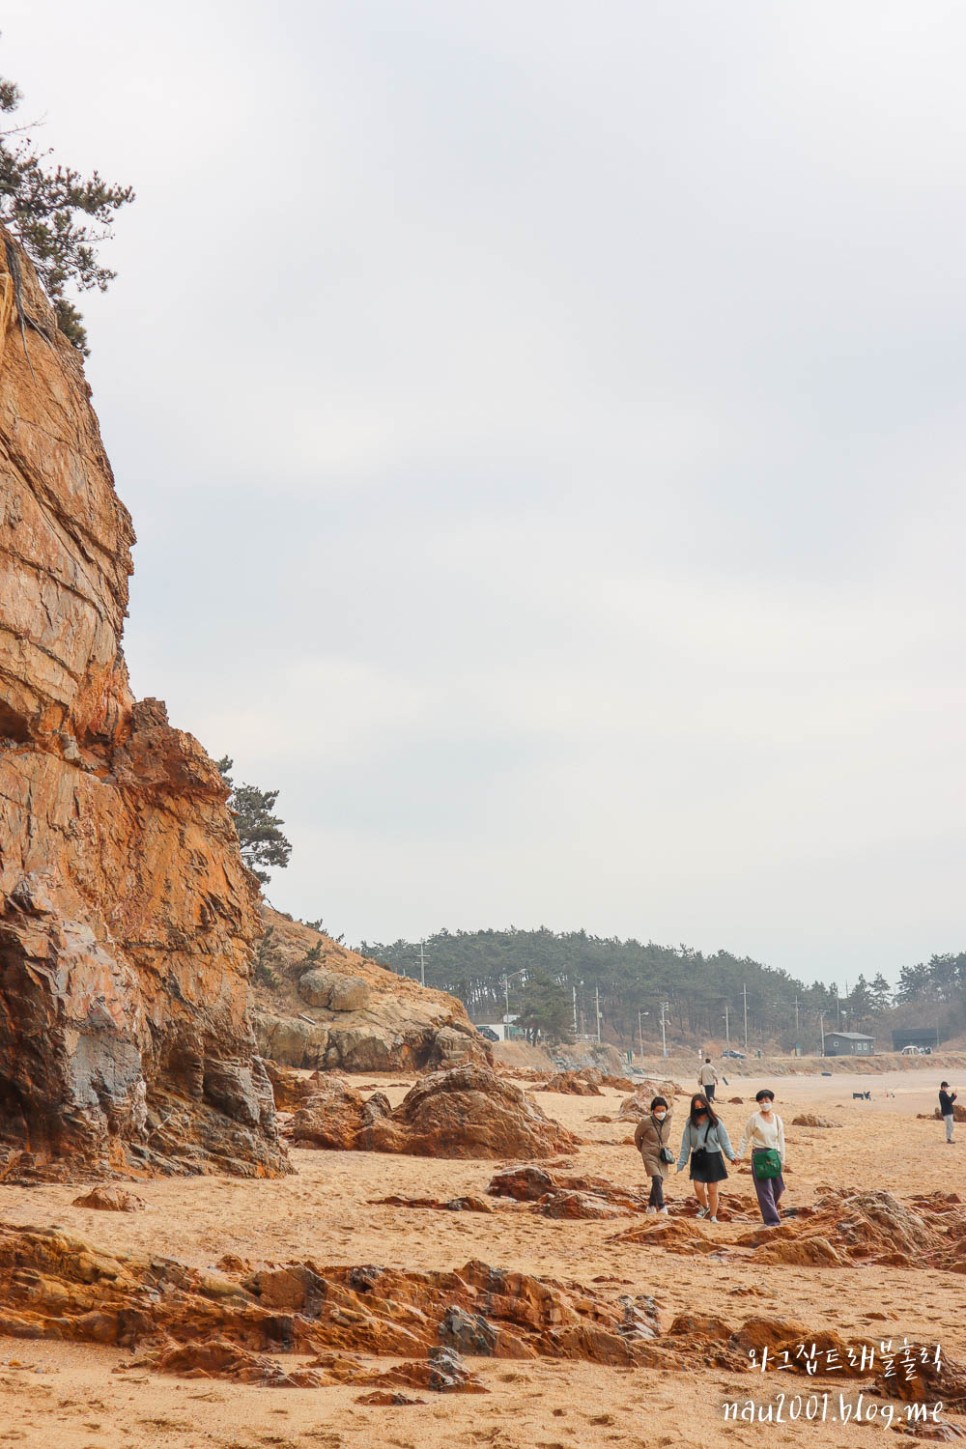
(769, 1190)
(656, 1198)
(709, 1092)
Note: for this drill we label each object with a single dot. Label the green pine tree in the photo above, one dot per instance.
(544, 1009)
(59, 217)
(259, 831)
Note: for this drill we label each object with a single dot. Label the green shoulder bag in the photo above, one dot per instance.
(766, 1162)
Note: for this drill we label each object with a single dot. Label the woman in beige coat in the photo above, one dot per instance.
(650, 1137)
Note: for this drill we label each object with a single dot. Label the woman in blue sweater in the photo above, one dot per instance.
(705, 1141)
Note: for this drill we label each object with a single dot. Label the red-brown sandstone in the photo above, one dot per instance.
(126, 915)
(468, 1112)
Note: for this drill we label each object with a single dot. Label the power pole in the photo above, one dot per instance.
(422, 964)
(575, 1011)
(727, 1027)
(597, 1004)
(796, 1013)
(640, 1033)
(744, 993)
(663, 1030)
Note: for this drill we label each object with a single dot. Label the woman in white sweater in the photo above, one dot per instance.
(765, 1134)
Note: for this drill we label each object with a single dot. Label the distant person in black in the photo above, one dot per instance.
(946, 1100)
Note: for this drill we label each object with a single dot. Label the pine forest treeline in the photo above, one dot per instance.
(547, 974)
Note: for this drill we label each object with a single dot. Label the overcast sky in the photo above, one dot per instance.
(543, 425)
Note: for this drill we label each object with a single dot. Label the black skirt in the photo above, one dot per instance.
(712, 1169)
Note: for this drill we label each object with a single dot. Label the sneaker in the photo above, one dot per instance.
(650, 1210)
(702, 1212)
(712, 1220)
(663, 1211)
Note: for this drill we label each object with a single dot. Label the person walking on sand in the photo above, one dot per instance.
(765, 1133)
(650, 1138)
(705, 1141)
(946, 1100)
(708, 1079)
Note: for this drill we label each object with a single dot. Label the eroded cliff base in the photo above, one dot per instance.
(127, 919)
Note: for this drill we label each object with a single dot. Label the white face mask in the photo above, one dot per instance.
(764, 1106)
(660, 1116)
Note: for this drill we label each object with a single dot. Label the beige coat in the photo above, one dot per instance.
(649, 1138)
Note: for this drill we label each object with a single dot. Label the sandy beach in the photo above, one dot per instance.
(84, 1396)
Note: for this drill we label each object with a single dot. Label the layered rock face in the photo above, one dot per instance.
(126, 916)
(322, 1005)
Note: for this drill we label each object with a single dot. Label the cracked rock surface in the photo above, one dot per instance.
(126, 916)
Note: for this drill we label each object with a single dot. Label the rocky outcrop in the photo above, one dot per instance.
(565, 1195)
(525, 1183)
(575, 1084)
(868, 1227)
(672, 1235)
(582, 1206)
(292, 1089)
(959, 1113)
(465, 1112)
(302, 1324)
(334, 1116)
(321, 1005)
(111, 1200)
(468, 1204)
(930, 1382)
(218, 1323)
(639, 1103)
(338, 993)
(126, 917)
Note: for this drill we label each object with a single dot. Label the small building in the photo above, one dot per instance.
(917, 1036)
(502, 1030)
(848, 1044)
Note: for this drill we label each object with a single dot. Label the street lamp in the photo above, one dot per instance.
(506, 997)
(640, 1030)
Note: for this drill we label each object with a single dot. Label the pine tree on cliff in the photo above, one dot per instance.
(259, 831)
(44, 206)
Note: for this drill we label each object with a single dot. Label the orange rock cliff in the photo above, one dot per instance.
(126, 916)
